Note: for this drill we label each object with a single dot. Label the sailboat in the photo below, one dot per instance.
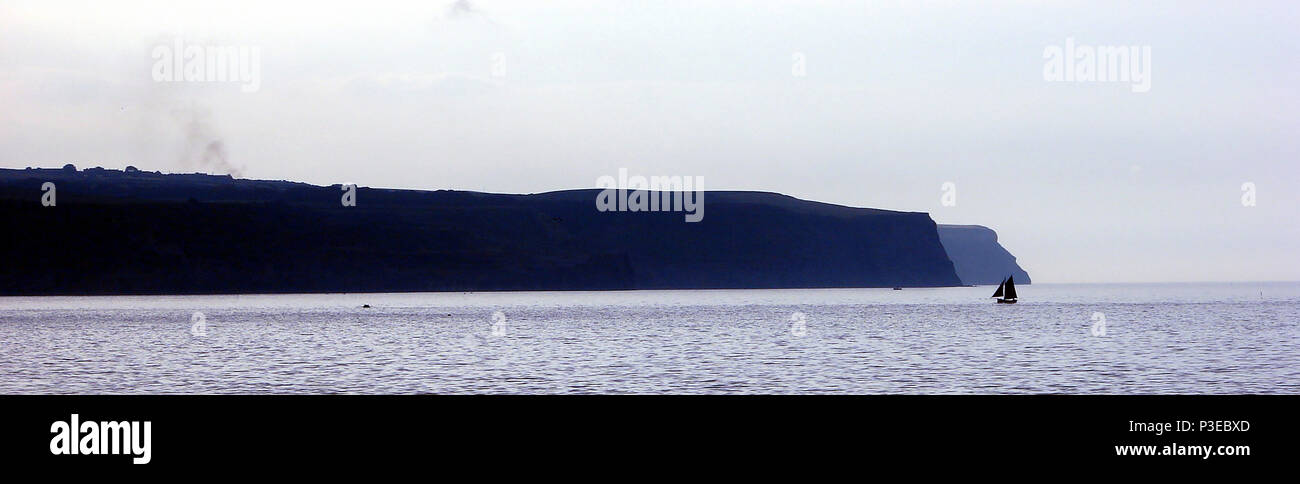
(1006, 292)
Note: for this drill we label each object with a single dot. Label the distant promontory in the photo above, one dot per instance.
(137, 232)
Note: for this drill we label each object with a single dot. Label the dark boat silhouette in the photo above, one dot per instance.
(1006, 292)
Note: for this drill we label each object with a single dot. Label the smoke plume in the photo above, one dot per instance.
(203, 147)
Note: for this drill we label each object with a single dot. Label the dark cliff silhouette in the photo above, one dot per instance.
(978, 257)
(135, 232)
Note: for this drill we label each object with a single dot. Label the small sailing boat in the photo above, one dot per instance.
(1006, 292)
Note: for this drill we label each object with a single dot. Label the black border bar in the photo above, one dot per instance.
(394, 432)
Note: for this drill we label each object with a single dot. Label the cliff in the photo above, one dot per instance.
(977, 256)
(114, 232)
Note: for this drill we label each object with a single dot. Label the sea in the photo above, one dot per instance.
(1220, 338)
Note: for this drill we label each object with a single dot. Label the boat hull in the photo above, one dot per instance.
(1006, 301)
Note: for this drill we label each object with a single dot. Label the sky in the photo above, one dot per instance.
(866, 104)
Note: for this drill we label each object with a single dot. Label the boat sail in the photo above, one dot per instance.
(1006, 292)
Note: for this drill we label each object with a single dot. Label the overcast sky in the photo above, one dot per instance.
(1083, 181)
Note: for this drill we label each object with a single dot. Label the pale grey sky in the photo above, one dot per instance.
(1084, 182)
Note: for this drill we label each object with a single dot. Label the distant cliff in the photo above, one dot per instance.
(134, 232)
(978, 257)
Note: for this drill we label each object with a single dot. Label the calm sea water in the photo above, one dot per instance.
(1160, 338)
